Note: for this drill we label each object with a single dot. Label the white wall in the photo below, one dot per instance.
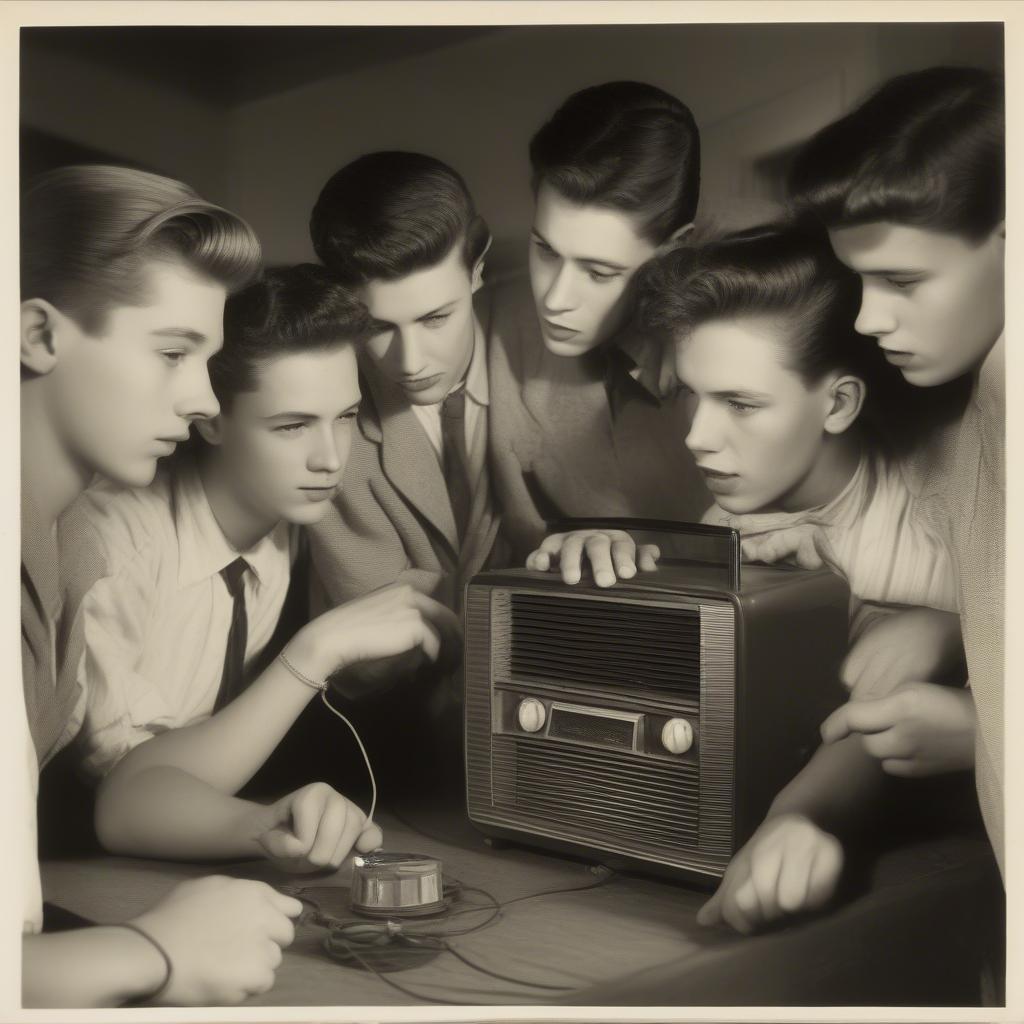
(751, 87)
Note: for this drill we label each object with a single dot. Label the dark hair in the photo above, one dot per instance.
(290, 309)
(926, 150)
(88, 232)
(776, 271)
(389, 214)
(624, 145)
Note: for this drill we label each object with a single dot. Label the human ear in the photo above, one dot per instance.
(846, 399)
(39, 322)
(675, 239)
(477, 276)
(211, 430)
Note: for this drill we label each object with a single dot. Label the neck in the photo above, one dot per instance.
(51, 476)
(242, 526)
(828, 476)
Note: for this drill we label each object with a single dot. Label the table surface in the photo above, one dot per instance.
(917, 930)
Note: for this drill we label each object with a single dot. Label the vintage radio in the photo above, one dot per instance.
(651, 723)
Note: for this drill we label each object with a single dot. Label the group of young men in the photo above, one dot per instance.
(387, 420)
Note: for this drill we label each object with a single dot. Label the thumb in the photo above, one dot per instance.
(281, 842)
(711, 912)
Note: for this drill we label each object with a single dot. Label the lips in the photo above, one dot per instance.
(419, 383)
(897, 357)
(557, 332)
(718, 482)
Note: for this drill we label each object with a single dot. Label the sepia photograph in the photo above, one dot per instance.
(512, 511)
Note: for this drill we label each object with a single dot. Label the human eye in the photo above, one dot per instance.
(602, 276)
(741, 408)
(544, 250)
(436, 319)
(348, 417)
(172, 356)
(903, 283)
(288, 428)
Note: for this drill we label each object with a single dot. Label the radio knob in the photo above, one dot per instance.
(531, 714)
(677, 736)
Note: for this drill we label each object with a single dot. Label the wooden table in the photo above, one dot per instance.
(918, 930)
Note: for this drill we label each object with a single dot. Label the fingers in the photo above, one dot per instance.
(823, 875)
(648, 557)
(863, 716)
(711, 913)
(279, 927)
(571, 558)
(765, 868)
(333, 827)
(623, 555)
(370, 839)
(598, 549)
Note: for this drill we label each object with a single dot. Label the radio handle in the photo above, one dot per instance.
(730, 537)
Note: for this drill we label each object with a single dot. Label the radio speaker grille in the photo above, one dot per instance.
(600, 794)
(610, 645)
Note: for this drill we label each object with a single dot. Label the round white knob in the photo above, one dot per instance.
(677, 736)
(532, 714)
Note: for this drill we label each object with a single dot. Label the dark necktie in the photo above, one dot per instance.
(456, 458)
(232, 678)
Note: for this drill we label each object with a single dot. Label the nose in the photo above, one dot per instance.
(875, 318)
(704, 436)
(560, 295)
(324, 456)
(197, 400)
(406, 352)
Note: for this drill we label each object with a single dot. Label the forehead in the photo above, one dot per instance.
(588, 232)
(746, 354)
(305, 382)
(174, 292)
(406, 299)
(886, 246)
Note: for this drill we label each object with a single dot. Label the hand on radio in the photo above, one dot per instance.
(805, 546)
(387, 622)
(613, 555)
(919, 729)
(314, 829)
(788, 865)
(906, 646)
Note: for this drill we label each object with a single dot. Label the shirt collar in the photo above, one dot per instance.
(39, 556)
(477, 387)
(203, 550)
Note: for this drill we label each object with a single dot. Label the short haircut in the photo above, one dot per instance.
(926, 150)
(624, 145)
(782, 272)
(389, 214)
(88, 232)
(288, 310)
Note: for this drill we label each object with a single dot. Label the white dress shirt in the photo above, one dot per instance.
(476, 407)
(156, 626)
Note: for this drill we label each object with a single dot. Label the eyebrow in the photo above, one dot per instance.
(443, 308)
(906, 272)
(738, 393)
(591, 261)
(184, 333)
(354, 407)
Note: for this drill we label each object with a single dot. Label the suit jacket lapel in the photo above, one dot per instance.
(409, 460)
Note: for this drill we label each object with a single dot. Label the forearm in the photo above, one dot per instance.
(103, 966)
(227, 749)
(167, 813)
(835, 789)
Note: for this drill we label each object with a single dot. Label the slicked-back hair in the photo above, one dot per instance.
(88, 232)
(288, 310)
(627, 146)
(390, 214)
(784, 273)
(926, 150)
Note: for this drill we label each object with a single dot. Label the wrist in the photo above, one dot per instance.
(146, 971)
(305, 656)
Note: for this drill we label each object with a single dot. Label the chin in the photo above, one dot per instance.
(307, 514)
(131, 474)
(568, 349)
